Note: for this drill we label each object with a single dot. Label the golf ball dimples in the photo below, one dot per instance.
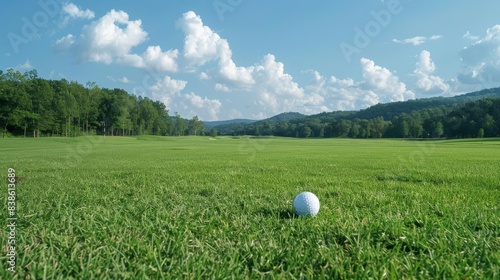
(306, 203)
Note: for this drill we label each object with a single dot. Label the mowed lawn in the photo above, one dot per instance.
(195, 207)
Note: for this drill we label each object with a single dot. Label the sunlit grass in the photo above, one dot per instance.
(190, 207)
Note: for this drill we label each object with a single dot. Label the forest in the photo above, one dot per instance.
(471, 115)
(480, 118)
(31, 106)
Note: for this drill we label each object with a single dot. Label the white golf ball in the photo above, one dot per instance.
(306, 203)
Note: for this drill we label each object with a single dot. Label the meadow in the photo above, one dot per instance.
(193, 207)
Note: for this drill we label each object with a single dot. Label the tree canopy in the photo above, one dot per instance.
(32, 106)
(479, 118)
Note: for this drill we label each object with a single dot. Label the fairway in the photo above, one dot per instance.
(199, 207)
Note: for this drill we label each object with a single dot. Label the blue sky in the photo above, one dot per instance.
(224, 59)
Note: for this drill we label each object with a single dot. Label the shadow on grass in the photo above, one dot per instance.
(280, 214)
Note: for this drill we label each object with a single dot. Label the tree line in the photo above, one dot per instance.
(34, 107)
(480, 118)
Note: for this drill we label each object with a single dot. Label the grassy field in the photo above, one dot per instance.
(194, 207)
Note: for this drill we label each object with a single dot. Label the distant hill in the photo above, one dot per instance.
(390, 110)
(230, 126)
(211, 124)
(387, 111)
(285, 117)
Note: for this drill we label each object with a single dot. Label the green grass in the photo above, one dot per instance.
(190, 207)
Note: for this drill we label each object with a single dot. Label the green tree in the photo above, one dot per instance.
(180, 125)
(267, 128)
(195, 126)
(480, 133)
(148, 116)
(213, 132)
(92, 114)
(438, 130)
(415, 126)
(15, 105)
(354, 130)
(304, 131)
(163, 123)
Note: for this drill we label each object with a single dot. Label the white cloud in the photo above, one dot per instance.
(221, 87)
(378, 85)
(266, 83)
(426, 82)
(342, 82)
(415, 40)
(481, 60)
(272, 90)
(418, 40)
(469, 36)
(65, 43)
(111, 38)
(383, 82)
(425, 63)
(25, 66)
(202, 45)
(338, 94)
(435, 37)
(166, 89)
(105, 40)
(272, 77)
(123, 80)
(153, 59)
(204, 76)
(74, 11)
(71, 11)
(206, 109)
(276, 91)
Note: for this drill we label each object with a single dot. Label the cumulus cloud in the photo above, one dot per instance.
(277, 92)
(384, 82)
(205, 108)
(378, 85)
(273, 90)
(111, 38)
(153, 59)
(73, 11)
(339, 94)
(204, 76)
(418, 40)
(70, 11)
(167, 89)
(65, 43)
(104, 40)
(481, 60)
(202, 45)
(272, 77)
(425, 81)
(221, 87)
(264, 85)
